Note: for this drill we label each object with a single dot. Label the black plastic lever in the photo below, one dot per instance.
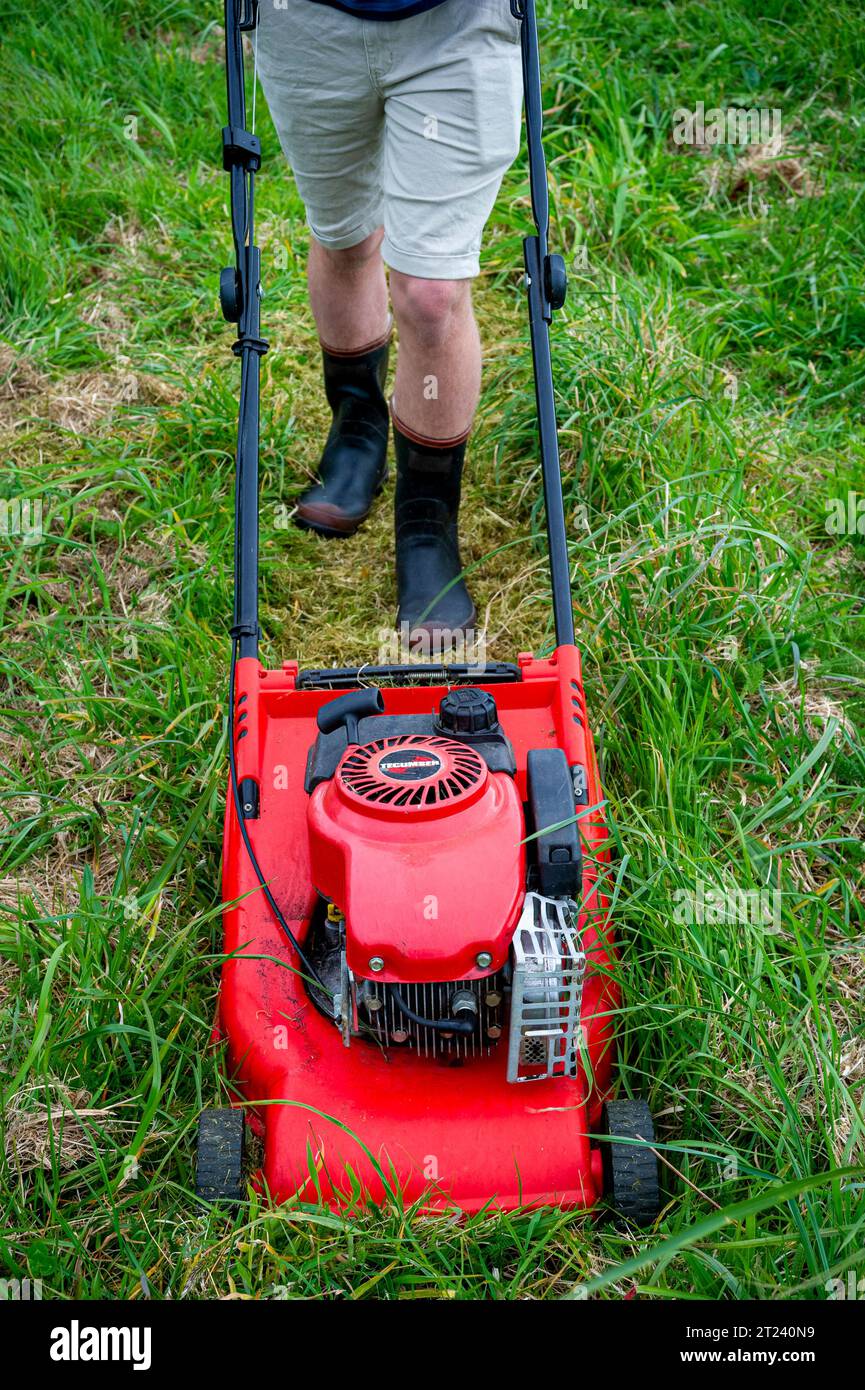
(347, 710)
(557, 848)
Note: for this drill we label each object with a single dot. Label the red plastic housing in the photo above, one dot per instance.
(402, 870)
(343, 1124)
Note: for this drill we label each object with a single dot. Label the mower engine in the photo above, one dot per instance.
(427, 935)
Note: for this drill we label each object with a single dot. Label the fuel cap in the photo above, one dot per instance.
(467, 711)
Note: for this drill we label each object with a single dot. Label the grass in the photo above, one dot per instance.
(710, 367)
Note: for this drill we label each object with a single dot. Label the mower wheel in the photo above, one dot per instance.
(219, 1165)
(631, 1169)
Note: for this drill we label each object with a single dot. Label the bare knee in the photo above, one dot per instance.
(352, 258)
(426, 308)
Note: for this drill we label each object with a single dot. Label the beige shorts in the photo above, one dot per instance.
(408, 123)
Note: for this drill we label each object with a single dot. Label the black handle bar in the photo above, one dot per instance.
(240, 292)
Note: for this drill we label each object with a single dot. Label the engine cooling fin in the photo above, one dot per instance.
(384, 1021)
(412, 770)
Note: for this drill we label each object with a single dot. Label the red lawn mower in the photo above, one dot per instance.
(418, 996)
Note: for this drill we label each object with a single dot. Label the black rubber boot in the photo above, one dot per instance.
(433, 601)
(353, 467)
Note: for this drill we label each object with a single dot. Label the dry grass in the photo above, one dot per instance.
(51, 1126)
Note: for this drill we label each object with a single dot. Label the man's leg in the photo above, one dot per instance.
(349, 298)
(438, 373)
(438, 377)
(330, 119)
(452, 107)
(438, 380)
(348, 293)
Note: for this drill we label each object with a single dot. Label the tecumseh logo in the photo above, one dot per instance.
(410, 766)
(77, 1343)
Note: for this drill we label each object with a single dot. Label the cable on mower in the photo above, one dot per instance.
(463, 1026)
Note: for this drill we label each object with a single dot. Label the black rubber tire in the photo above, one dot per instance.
(630, 1170)
(219, 1164)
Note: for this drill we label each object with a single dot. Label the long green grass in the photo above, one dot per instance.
(710, 368)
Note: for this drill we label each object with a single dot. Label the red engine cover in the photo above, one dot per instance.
(421, 847)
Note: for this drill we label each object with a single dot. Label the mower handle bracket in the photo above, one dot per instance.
(240, 146)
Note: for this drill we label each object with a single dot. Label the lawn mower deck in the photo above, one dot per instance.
(421, 1113)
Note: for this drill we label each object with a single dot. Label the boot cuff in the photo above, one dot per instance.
(422, 441)
(360, 351)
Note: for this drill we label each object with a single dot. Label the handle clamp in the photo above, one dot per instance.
(241, 147)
